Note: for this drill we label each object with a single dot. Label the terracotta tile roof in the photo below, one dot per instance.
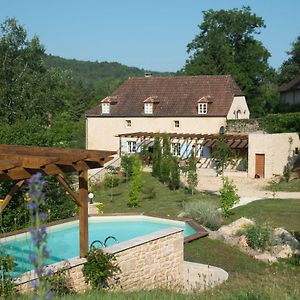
(290, 85)
(176, 96)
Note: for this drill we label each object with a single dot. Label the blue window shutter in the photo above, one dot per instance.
(124, 147)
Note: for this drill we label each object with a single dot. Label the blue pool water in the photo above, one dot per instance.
(63, 240)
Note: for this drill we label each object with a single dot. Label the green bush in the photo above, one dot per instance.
(99, 268)
(229, 196)
(7, 287)
(277, 123)
(135, 184)
(60, 282)
(149, 191)
(127, 165)
(204, 213)
(111, 181)
(259, 236)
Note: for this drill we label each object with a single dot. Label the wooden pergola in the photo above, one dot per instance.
(19, 163)
(234, 141)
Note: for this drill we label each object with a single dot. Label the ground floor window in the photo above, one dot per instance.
(131, 146)
(175, 148)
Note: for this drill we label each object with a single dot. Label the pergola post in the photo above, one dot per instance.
(83, 213)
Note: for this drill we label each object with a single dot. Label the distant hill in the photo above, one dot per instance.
(90, 72)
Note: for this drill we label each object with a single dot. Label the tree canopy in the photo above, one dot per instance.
(226, 44)
(291, 67)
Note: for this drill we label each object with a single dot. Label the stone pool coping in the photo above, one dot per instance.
(200, 231)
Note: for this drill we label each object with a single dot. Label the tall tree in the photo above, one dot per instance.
(21, 61)
(291, 67)
(165, 160)
(226, 45)
(156, 157)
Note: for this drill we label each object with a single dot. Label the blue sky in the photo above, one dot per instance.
(150, 34)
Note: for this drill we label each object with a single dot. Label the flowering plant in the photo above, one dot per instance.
(38, 235)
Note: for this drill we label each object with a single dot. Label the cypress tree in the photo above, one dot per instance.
(174, 174)
(165, 161)
(156, 158)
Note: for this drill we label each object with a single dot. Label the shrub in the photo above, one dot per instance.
(192, 177)
(127, 165)
(229, 196)
(60, 282)
(204, 213)
(100, 208)
(174, 182)
(7, 287)
(149, 191)
(100, 268)
(258, 236)
(135, 184)
(111, 181)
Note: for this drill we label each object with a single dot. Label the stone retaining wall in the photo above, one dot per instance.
(147, 262)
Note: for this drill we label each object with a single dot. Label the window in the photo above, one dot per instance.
(202, 108)
(131, 146)
(175, 147)
(128, 123)
(105, 108)
(176, 124)
(148, 108)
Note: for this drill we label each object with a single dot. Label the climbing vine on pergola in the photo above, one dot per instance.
(19, 163)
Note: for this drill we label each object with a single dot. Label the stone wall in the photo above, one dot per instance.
(242, 126)
(147, 262)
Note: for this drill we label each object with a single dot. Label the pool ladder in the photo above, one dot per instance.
(104, 245)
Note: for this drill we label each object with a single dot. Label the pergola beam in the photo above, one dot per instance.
(10, 195)
(64, 184)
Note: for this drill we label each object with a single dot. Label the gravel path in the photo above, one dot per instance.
(249, 189)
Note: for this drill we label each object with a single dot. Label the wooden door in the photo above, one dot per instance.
(260, 165)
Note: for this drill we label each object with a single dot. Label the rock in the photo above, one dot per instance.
(265, 257)
(286, 237)
(243, 241)
(218, 235)
(235, 226)
(281, 251)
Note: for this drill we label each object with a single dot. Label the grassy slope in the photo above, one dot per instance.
(291, 186)
(278, 212)
(166, 202)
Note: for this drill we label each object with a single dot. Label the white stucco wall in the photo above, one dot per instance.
(275, 147)
(239, 104)
(101, 132)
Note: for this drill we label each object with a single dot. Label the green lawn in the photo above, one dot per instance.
(165, 203)
(278, 212)
(283, 186)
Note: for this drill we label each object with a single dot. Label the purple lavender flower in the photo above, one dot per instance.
(38, 234)
(43, 215)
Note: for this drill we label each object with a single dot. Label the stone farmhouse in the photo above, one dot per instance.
(192, 110)
(185, 104)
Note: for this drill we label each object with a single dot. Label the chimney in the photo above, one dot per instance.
(148, 74)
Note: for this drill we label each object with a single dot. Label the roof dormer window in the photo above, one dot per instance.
(106, 102)
(105, 108)
(148, 107)
(203, 104)
(202, 108)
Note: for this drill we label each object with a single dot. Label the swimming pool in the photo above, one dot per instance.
(63, 239)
